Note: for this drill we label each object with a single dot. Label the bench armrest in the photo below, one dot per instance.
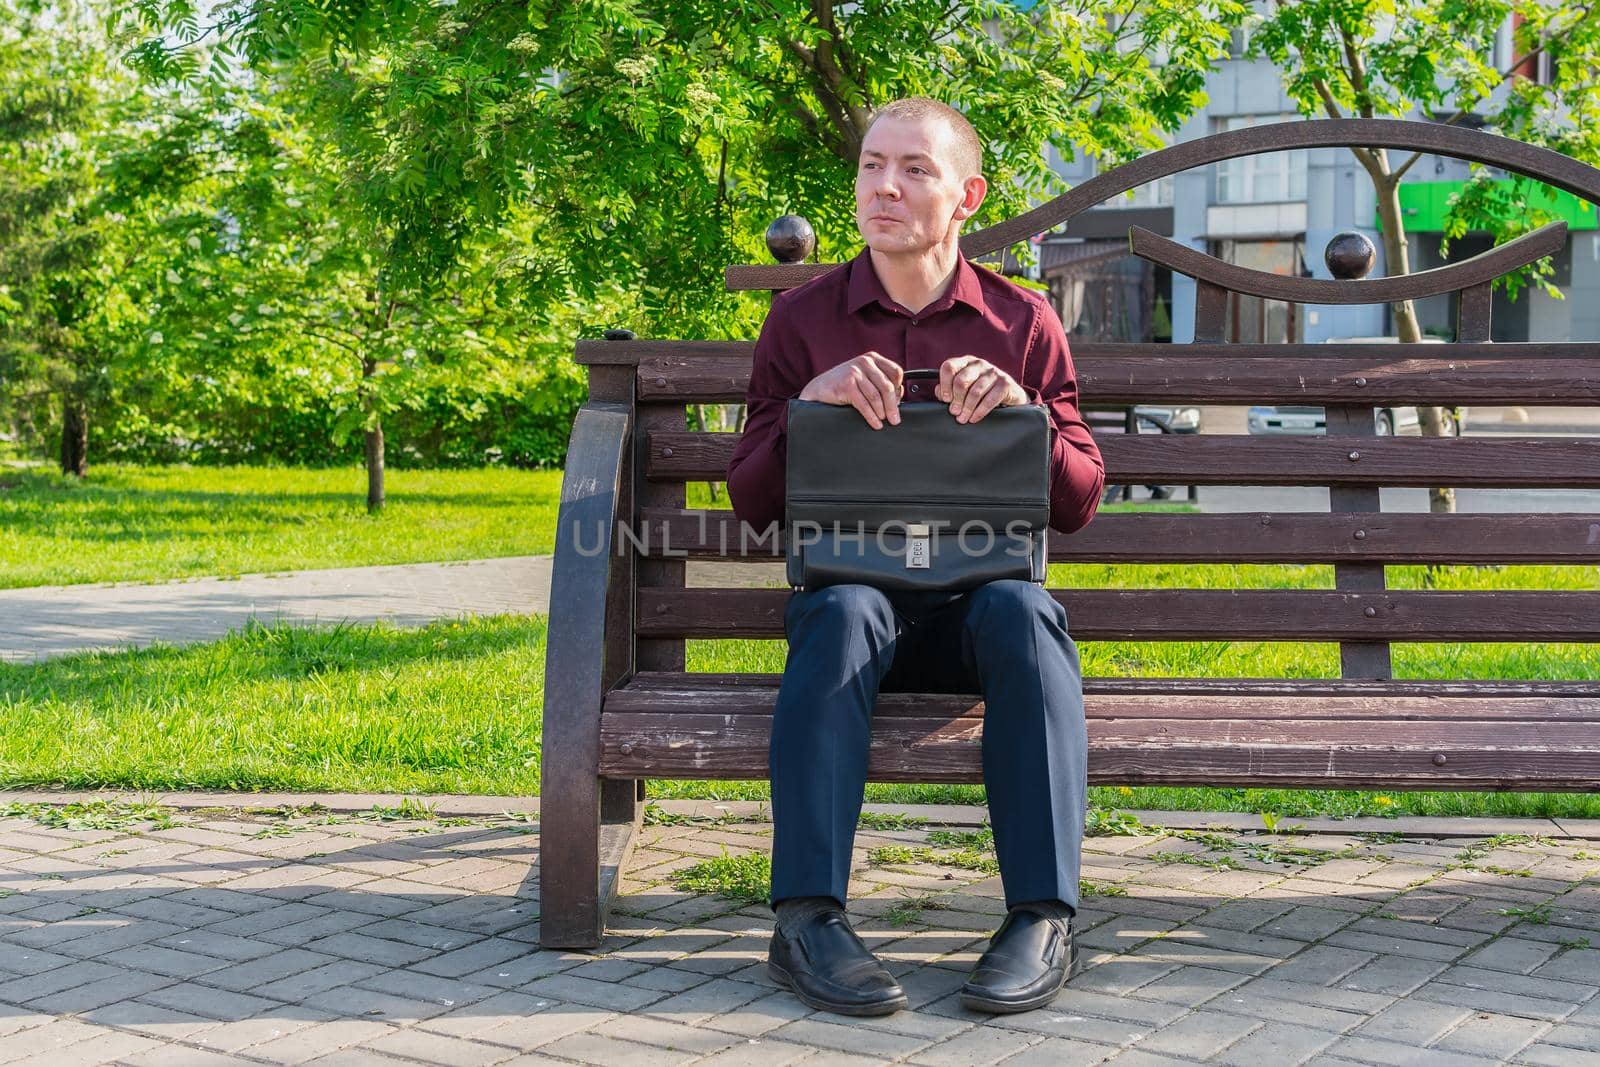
(581, 579)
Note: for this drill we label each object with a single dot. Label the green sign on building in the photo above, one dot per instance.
(1423, 206)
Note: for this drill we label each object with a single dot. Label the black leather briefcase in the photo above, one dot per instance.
(927, 504)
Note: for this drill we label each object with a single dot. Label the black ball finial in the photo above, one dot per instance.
(791, 239)
(1350, 255)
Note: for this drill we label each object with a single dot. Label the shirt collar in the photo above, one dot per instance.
(865, 288)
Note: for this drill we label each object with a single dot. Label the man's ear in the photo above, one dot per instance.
(973, 190)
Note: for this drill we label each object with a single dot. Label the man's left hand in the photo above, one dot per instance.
(973, 387)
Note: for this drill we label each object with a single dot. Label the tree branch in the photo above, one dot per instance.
(310, 332)
(1358, 74)
(309, 325)
(472, 23)
(1364, 156)
(1130, 23)
(1329, 104)
(722, 175)
(829, 81)
(1400, 171)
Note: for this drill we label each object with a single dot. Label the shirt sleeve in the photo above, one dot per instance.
(1077, 472)
(756, 472)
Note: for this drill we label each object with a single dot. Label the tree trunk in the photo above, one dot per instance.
(1396, 250)
(374, 436)
(74, 436)
(375, 470)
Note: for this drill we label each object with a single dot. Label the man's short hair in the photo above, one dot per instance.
(969, 149)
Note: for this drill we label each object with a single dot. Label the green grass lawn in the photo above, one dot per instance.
(125, 523)
(453, 707)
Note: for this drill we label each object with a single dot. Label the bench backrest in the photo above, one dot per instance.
(651, 612)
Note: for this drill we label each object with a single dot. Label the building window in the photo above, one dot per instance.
(1238, 42)
(1250, 319)
(1151, 194)
(1269, 178)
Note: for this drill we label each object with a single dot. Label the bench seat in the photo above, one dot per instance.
(1153, 731)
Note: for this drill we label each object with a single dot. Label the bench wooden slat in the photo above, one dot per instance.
(633, 353)
(704, 681)
(1202, 614)
(1279, 537)
(590, 352)
(1146, 377)
(689, 699)
(1172, 459)
(1312, 752)
(1308, 729)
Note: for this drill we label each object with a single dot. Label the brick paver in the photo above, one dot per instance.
(396, 942)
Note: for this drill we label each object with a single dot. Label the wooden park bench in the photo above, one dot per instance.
(620, 707)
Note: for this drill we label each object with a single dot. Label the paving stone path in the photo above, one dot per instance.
(233, 937)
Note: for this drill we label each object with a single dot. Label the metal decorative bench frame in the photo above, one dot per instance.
(620, 707)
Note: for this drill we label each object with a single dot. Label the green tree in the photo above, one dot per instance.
(95, 200)
(1397, 58)
(206, 245)
(335, 277)
(654, 141)
(279, 282)
(58, 301)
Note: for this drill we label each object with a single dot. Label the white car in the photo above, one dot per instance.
(1387, 421)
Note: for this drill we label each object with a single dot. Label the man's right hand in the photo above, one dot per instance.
(870, 383)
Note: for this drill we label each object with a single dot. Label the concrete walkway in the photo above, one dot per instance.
(234, 938)
(54, 620)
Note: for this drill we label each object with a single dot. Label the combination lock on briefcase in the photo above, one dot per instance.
(917, 546)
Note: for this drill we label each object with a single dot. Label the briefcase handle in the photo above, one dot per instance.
(922, 374)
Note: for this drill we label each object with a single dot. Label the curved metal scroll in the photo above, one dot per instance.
(1480, 269)
(1547, 166)
(1542, 164)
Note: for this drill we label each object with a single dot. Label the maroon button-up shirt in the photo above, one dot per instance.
(834, 318)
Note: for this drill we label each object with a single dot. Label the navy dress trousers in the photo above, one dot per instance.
(1007, 641)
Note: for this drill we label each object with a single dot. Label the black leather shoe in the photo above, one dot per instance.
(829, 968)
(1028, 961)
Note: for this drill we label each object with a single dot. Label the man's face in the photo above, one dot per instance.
(910, 196)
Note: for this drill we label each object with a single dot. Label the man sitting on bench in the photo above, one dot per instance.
(911, 300)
